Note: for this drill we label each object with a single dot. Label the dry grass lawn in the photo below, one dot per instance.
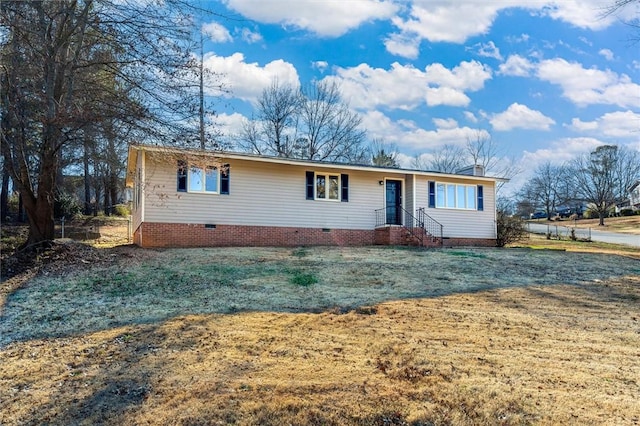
(325, 336)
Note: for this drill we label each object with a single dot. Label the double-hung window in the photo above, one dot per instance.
(455, 196)
(208, 179)
(203, 179)
(327, 186)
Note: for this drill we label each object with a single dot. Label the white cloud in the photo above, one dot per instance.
(583, 13)
(522, 38)
(522, 117)
(447, 21)
(470, 116)
(488, 50)
(582, 126)
(216, 32)
(585, 41)
(607, 54)
(320, 65)
(325, 18)
(619, 124)
(250, 36)
(406, 87)
(458, 20)
(247, 80)
(560, 151)
(403, 45)
(517, 66)
(589, 86)
(445, 123)
(230, 125)
(408, 136)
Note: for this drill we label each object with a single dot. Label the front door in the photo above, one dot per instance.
(393, 199)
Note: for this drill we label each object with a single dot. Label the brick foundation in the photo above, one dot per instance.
(199, 235)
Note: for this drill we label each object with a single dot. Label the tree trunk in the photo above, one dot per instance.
(107, 203)
(39, 208)
(20, 209)
(87, 177)
(601, 216)
(4, 195)
(113, 188)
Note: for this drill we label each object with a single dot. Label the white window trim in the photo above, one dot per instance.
(326, 186)
(455, 195)
(204, 189)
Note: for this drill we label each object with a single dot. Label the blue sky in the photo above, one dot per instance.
(547, 80)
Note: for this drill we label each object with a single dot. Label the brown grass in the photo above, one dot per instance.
(481, 344)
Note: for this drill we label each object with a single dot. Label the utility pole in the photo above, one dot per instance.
(201, 90)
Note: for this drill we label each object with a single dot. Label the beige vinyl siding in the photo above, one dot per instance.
(461, 223)
(263, 194)
(137, 215)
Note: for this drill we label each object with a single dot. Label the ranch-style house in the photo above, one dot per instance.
(194, 198)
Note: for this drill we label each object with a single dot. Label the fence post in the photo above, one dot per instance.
(62, 226)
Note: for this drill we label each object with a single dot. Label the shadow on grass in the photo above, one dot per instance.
(221, 281)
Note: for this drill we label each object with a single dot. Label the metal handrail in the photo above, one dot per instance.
(417, 226)
(430, 225)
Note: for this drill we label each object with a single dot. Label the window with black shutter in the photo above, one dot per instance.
(182, 176)
(224, 179)
(310, 185)
(480, 198)
(432, 194)
(344, 179)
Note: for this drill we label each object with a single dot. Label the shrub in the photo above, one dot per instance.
(510, 229)
(121, 210)
(66, 205)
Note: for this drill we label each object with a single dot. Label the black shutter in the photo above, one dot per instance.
(432, 194)
(344, 179)
(224, 179)
(480, 198)
(310, 178)
(182, 176)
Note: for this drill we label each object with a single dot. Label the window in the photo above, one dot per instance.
(327, 187)
(455, 196)
(322, 186)
(197, 179)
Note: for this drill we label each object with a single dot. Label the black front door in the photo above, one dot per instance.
(394, 202)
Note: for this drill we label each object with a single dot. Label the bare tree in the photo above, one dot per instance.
(483, 150)
(383, 154)
(603, 177)
(273, 131)
(448, 159)
(312, 123)
(69, 63)
(545, 190)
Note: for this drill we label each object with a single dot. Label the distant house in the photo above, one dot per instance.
(634, 195)
(189, 198)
